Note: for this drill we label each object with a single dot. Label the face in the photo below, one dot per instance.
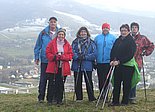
(83, 33)
(134, 29)
(124, 32)
(53, 23)
(61, 36)
(105, 31)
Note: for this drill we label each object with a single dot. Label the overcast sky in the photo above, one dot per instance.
(117, 5)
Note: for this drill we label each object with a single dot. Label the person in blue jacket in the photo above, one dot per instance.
(45, 36)
(84, 50)
(104, 43)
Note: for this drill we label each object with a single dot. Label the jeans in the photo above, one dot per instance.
(42, 82)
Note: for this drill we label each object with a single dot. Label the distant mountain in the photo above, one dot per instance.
(17, 11)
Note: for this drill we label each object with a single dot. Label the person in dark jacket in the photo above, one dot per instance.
(122, 51)
(45, 36)
(59, 53)
(84, 50)
(144, 48)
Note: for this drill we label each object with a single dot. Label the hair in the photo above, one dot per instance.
(83, 28)
(126, 26)
(53, 18)
(134, 24)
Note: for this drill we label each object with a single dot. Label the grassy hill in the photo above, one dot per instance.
(28, 103)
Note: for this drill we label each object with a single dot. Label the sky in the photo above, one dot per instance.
(117, 5)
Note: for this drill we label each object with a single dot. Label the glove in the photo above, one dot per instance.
(143, 53)
(56, 57)
(80, 57)
(94, 65)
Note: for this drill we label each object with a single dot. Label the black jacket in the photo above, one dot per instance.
(123, 49)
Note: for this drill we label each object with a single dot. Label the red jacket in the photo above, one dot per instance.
(144, 47)
(51, 51)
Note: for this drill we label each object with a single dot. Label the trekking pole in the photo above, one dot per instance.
(104, 86)
(65, 101)
(111, 96)
(108, 87)
(144, 78)
(54, 82)
(77, 76)
(88, 82)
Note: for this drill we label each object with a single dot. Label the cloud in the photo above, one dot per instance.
(139, 5)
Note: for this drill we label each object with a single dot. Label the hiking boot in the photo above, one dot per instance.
(132, 101)
(41, 101)
(93, 100)
(79, 100)
(49, 103)
(114, 104)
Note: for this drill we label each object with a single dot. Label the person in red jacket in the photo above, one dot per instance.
(59, 53)
(144, 48)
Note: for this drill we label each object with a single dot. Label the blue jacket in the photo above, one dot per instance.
(104, 45)
(41, 44)
(88, 50)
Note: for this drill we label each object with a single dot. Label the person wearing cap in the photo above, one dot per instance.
(84, 50)
(104, 43)
(121, 57)
(45, 36)
(59, 53)
(144, 48)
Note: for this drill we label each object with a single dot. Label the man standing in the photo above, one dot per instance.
(45, 36)
(104, 43)
(144, 48)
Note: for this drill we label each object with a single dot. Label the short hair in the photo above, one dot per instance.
(53, 18)
(126, 26)
(83, 28)
(134, 24)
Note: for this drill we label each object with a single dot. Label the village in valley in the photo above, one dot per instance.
(15, 80)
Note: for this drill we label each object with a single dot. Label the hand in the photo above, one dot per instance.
(143, 53)
(80, 57)
(114, 63)
(37, 62)
(56, 57)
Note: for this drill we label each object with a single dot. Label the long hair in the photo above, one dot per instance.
(83, 28)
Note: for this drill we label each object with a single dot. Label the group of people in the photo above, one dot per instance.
(124, 53)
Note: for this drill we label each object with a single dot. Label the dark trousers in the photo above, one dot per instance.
(56, 85)
(122, 74)
(78, 85)
(132, 95)
(102, 72)
(42, 82)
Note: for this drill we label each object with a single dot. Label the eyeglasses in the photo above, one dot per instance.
(123, 30)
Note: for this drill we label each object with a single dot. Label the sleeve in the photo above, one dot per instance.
(38, 47)
(75, 52)
(49, 53)
(148, 47)
(67, 56)
(91, 56)
(112, 53)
